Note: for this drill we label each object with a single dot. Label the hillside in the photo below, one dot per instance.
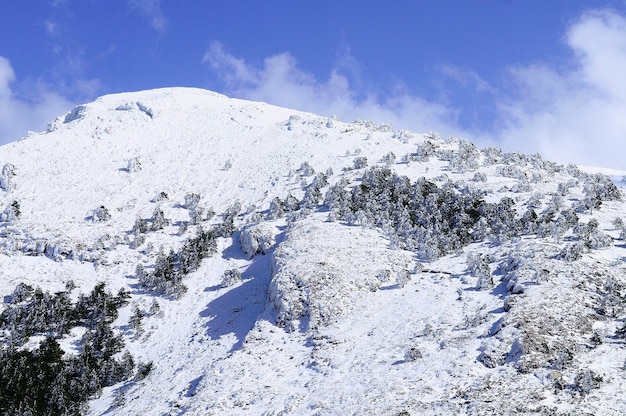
(259, 260)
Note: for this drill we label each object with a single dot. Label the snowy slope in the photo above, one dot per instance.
(331, 316)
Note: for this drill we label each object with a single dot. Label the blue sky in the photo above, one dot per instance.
(530, 75)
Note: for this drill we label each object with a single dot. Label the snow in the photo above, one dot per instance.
(316, 326)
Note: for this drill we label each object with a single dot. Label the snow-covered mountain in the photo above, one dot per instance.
(260, 260)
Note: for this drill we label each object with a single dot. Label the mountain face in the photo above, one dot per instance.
(176, 251)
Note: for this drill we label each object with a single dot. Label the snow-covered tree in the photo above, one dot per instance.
(6, 177)
(158, 221)
(256, 239)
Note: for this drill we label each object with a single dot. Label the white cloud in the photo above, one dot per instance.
(578, 113)
(150, 9)
(18, 115)
(280, 81)
(573, 111)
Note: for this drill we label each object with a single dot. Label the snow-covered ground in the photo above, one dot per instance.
(328, 318)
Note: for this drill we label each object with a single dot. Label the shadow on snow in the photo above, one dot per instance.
(237, 309)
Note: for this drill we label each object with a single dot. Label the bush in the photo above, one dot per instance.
(231, 277)
(143, 370)
(101, 214)
(412, 354)
(360, 162)
(256, 239)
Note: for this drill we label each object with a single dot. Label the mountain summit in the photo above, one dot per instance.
(176, 251)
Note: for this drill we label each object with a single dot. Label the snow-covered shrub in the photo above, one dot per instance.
(403, 277)
(597, 189)
(133, 165)
(479, 177)
(313, 194)
(305, 169)
(136, 319)
(276, 210)
(522, 185)
(591, 236)
(492, 155)
(535, 200)
(389, 159)
(191, 200)
(21, 293)
(256, 239)
(169, 270)
(515, 158)
(573, 170)
(6, 178)
(101, 214)
(161, 196)
(155, 308)
(406, 159)
(385, 128)
(143, 370)
(477, 266)
(514, 287)
(587, 380)
(563, 188)
(511, 172)
(384, 275)
(412, 354)
(230, 278)
(158, 221)
(195, 211)
(141, 226)
(465, 159)
(425, 150)
(336, 198)
(293, 121)
(572, 252)
(165, 279)
(402, 135)
(11, 213)
(359, 163)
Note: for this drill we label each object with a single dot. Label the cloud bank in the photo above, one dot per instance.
(19, 114)
(577, 113)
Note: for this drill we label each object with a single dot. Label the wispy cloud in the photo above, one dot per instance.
(280, 81)
(466, 78)
(18, 114)
(151, 10)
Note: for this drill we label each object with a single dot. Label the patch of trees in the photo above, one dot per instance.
(46, 380)
(435, 220)
(422, 216)
(166, 276)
